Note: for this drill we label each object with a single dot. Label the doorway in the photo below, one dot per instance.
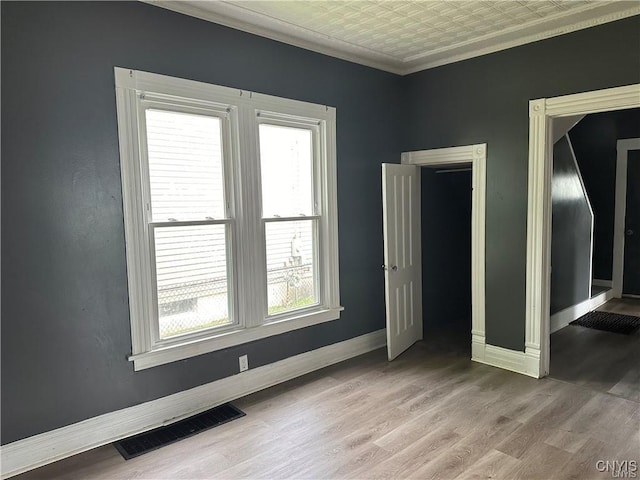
(626, 266)
(542, 113)
(397, 201)
(585, 176)
(583, 210)
(446, 257)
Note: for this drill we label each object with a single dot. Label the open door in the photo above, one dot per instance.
(402, 255)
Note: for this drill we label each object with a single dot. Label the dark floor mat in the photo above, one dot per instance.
(153, 439)
(609, 322)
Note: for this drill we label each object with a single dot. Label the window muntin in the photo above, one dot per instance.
(175, 321)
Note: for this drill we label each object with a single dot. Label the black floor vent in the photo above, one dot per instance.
(609, 322)
(153, 439)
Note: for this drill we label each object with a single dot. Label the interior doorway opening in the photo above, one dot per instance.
(403, 247)
(543, 113)
(592, 343)
(592, 157)
(446, 257)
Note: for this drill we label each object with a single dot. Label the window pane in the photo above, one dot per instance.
(185, 166)
(286, 159)
(191, 268)
(291, 265)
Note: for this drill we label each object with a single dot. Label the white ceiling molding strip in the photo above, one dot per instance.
(516, 36)
(241, 17)
(251, 22)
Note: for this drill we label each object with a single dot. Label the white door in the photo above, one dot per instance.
(402, 255)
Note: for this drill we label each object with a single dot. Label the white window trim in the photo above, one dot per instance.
(243, 107)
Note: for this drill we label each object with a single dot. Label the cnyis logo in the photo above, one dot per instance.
(618, 469)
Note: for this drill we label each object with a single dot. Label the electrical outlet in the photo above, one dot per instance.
(244, 363)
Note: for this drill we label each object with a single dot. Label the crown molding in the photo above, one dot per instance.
(240, 18)
(587, 17)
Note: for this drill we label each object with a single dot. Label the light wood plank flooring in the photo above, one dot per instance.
(431, 413)
(602, 361)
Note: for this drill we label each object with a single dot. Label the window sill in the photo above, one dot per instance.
(192, 348)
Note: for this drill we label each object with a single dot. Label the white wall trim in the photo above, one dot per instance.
(244, 19)
(38, 450)
(541, 114)
(598, 282)
(623, 147)
(239, 113)
(511, 38)
(564, 317)
(505, 358)
(476, 155)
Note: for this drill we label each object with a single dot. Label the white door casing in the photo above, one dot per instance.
(623, 147)
(542, 112)
(474, 156)
(402, 256)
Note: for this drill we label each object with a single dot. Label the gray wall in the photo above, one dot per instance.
(446, 250)
(485, 99)
(65, 323)
(594, 143)
(571, 231)
(65, 320)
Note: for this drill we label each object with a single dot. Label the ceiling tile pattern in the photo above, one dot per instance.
(404, 29)
(404, 36)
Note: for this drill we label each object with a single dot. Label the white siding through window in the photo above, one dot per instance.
(230, 215)
(186, 183)
(185, 166)
(286, 160)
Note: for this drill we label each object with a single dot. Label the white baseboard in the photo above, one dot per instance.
(505, 358)
(601, 299)
(32, 452)
(478, 345)
(602, 283)
(564, 317)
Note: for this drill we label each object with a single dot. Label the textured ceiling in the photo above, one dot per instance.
(406, 36)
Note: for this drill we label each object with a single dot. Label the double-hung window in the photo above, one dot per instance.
(230, 215)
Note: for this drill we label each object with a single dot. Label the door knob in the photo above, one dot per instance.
(629, 232)
(394, 268)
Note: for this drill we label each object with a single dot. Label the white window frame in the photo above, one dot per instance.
(240, 112)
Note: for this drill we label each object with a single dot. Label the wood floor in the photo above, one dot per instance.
(602, 361)
(431, 413)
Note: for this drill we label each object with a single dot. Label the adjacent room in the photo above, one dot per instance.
(194, 224)
(594, 317)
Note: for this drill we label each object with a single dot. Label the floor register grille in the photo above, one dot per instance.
(142, 443)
